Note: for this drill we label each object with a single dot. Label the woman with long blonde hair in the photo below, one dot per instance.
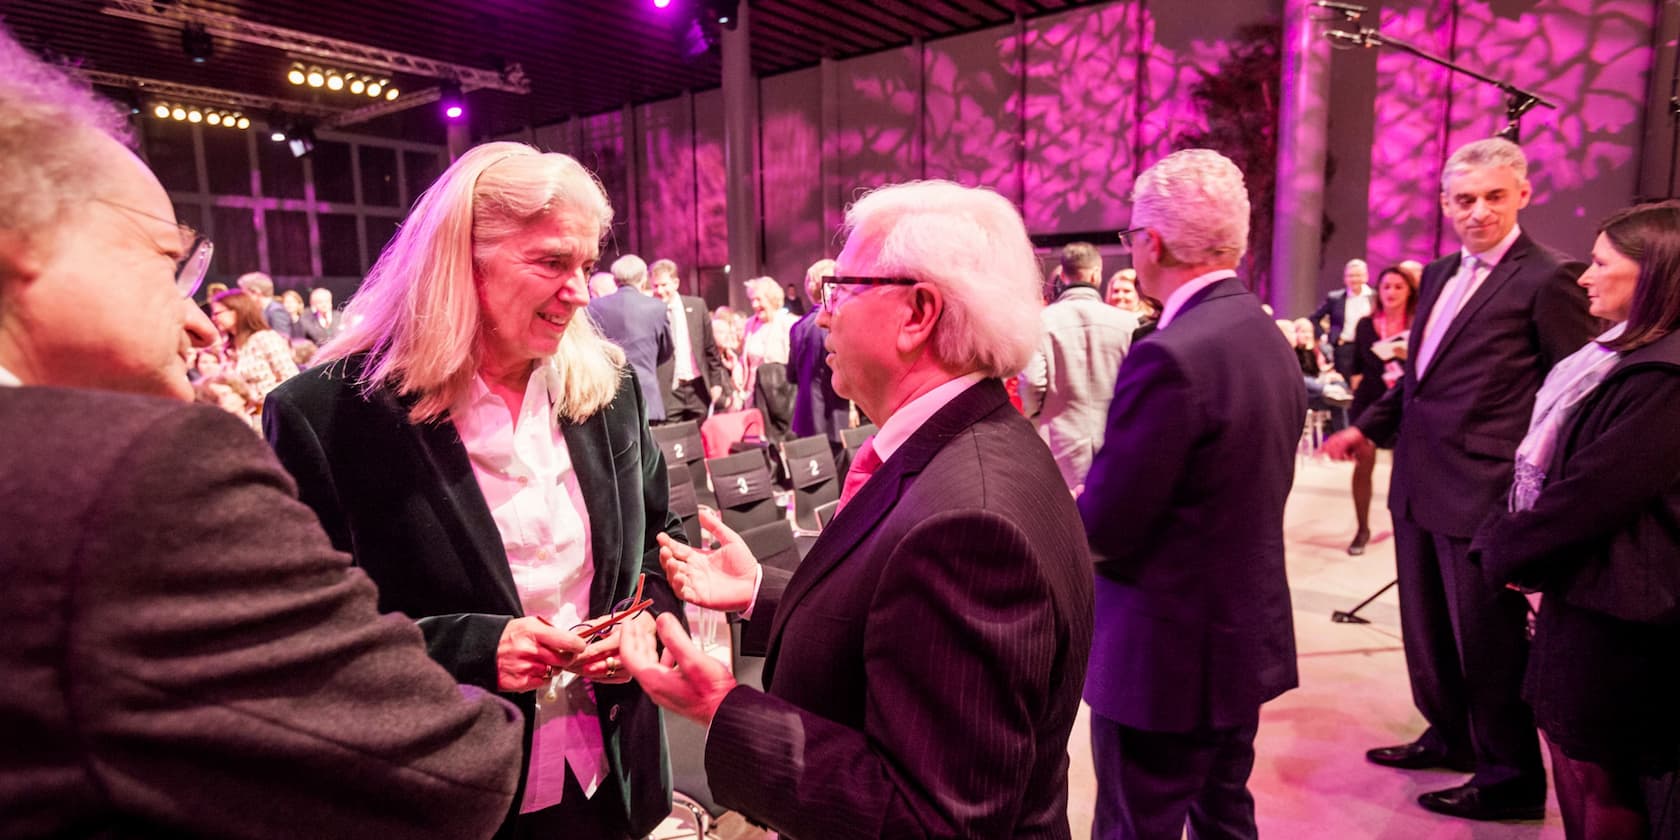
(484, 455)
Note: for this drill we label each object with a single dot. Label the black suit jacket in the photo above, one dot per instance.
(701, 342)
(637, 324)
(403, 501)
(1335, 308)
(1456, 429)
(817, 409)
(187, 656)
(925, 659)
(1184, 508)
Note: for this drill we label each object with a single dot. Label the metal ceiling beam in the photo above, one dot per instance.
(196, 95)
(511, 80)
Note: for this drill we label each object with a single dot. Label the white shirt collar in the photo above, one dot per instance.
(909, 417)
(1492, 256)
(9, 379)
(1177, 299)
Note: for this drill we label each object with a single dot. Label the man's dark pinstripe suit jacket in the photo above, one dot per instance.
(926, 659)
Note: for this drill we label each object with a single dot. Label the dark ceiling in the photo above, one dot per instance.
(581, 56)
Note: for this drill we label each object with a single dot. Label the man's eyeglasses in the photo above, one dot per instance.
(832, 282)
(191, 268)
(1126, 236)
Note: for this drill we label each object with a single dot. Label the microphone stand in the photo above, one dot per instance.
(1517, 100)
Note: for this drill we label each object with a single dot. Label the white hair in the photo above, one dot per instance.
(630, 270)
(53, 127)
(1197, 202)
(1484, 154)
(971, 244)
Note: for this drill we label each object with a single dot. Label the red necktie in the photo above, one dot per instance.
(863, 466)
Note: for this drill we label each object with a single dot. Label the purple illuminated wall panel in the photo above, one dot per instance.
(790, 158)
(972, 111)
(1590, 56)
(711, 220)
(665, 184)
(877, 103)
(603, 153)
(1081, 78)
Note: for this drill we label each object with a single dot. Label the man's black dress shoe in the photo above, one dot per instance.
(1416, 756)
(1486, 803)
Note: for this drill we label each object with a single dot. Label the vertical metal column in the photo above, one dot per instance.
(740, 155)
(1303, 138)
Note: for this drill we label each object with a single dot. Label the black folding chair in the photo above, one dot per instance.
(815, 479)
(683, 501)
(851, 440)
(681, 444)
(745, 493)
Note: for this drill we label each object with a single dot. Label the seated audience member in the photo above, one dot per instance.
(490, 466)
(231, 394)
(292, 302)
(1591, 525)
(261, 289)
(261, 355)
(322, 323)
(223, 672)
(303, 352)
(1389, 323)
(1325, 391)
(926, 657)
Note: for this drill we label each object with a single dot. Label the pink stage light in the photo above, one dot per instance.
(453, 112)
(660, 4)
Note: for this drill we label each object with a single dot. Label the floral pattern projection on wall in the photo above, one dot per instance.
(711, 214)
(1589, 56)
(971, 117)
(602, 151)
(790, 144)
(665, 183)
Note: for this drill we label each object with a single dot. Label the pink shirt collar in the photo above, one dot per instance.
(909, 417)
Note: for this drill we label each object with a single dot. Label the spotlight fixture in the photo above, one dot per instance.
(195, 116)
(161, 111)
(357, 84)
(374, 89)
(451, 102)
(660, 4)
(300, 138)
(196, 43)
(334, 81)
(178, 113)
(391, 94)
(277, 135)
(241, 122)
(316, 78)
(296, 75)
(215, 119)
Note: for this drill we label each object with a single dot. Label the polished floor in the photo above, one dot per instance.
(1311, 779)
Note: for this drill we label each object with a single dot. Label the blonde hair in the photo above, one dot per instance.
(770, 289)
(417, 315)
(814, 276)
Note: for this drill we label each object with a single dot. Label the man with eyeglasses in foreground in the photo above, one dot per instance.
(925, 660)
(166, 674)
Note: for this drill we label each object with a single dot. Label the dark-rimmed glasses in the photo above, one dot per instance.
(196, 248)
(831, 282)
(1126, 235)
(621, 611)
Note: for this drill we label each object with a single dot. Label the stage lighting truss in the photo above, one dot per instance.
(199, 114)
(358, 83)
(319, 48)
